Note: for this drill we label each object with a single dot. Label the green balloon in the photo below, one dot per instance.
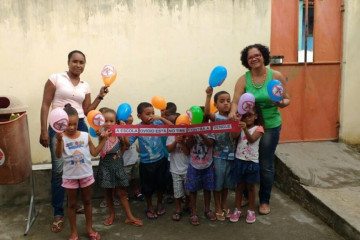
(197, 115)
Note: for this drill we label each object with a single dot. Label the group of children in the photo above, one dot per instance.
(212, 162)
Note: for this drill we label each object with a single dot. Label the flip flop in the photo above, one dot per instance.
(109, 221)
(153, 217)
(194, 220)
(57, 226)
(176, 216)
(94, 236)
(135, 222)
(160, 211)
(210, 215)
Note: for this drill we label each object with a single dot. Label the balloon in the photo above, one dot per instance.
(213, 109)
(158, 102)
(108, 75)
(58, 119)
(182, 119)
(275, 90)
(217, 76)
(195, 114)
(123, 111)
(246, 102)
(95, 119)
(92, 132)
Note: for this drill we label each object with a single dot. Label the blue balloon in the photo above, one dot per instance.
(217, 76)
(123, 111)
(92, 132)
(275, 90)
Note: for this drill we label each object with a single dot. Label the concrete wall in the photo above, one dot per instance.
(349, 105)
(165, 48)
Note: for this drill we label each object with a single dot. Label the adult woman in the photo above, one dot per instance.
(255, 58)
(60, 89)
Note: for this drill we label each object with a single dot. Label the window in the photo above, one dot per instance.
(306, 27)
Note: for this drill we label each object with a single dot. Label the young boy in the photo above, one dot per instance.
(200, 174)
(131, 165)
(152, 161)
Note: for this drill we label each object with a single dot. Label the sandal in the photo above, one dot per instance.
(116, 202)
(74, 238)
(220, 217)
(227, 213)
(194, 220)
(153, 215)
(176, 216)
(109, 221)
(210, 215)
(94, 236)
(103, 204)
(57, 225)
(135, 222)
(160, 211)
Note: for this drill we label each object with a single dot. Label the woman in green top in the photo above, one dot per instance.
(255, 58)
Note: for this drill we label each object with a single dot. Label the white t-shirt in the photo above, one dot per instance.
(66, 92)
(249, 151)
(179, 162)
(76, 157)
(130, 156)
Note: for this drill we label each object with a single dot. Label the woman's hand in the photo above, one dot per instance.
(44, 139)
(283, 103)
(103, 91)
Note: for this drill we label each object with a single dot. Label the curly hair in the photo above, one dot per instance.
(264, 52)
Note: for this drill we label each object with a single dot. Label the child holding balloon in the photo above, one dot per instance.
(152, 167)
(75, 148)
(223, 152)
(111, 174)
(245, 172)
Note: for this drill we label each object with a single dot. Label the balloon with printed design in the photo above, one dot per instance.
(275, 90)
(58, 119)
(246, 102)
(217, 76)
(95, 119)
(108, 75)
(158, 102)
(182, 119)
(195, 114)
(123, 111)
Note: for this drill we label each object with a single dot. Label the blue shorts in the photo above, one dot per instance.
(223, 174)
(200, 179)
(245, 171)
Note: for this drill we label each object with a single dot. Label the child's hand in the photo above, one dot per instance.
(242, 125)
(122, 123)
(105, 134)
(59, 136)
(179, 139)
(156, 117)
(209, 91)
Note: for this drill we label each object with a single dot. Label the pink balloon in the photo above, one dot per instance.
(246, 102)
(58, 119)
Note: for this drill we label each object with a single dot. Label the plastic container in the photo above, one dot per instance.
(15, 157)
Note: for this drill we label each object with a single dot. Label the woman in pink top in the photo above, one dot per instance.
(60, 89)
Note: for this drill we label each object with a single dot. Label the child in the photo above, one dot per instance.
(75, 148)
(246, 165)
(131, 165)
(152, 167)
(179, 162)
(200, 174)
(223, 152)
(111, 174)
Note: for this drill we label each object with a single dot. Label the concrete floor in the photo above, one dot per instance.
(288, 220)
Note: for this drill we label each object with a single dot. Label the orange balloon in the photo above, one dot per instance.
(95, 119)
(213, 109)
(182, 119)
(108, 75)
(158, 102)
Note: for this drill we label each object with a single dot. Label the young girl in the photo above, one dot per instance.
(223, 152)
(111, 174)
(246, 167)
(75, 148)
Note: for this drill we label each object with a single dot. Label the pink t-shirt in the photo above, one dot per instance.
(66, 92)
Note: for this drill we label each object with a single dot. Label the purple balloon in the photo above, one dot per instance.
(246, 102)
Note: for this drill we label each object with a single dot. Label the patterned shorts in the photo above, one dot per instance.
(200, 179)
(179, 185)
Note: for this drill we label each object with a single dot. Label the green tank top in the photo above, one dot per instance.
(270, 112)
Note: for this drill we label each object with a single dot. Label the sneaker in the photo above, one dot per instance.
(235, 215)
(250, 216)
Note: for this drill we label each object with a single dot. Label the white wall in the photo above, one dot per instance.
(165, 48)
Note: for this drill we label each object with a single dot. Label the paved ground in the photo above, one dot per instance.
(287, 220)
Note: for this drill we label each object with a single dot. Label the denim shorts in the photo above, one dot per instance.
(197, 179)
(223, 174)
(245, 171)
